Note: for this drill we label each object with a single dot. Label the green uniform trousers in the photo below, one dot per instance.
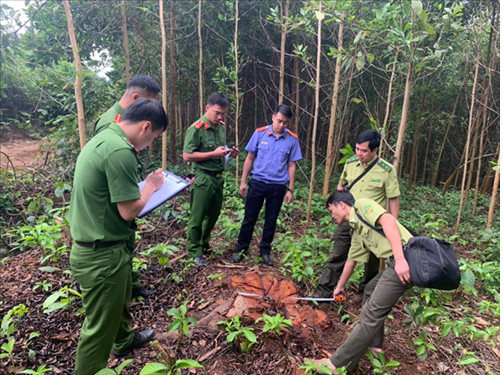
(206, 197)
(104, 276)
(335, 264)
(384, 291)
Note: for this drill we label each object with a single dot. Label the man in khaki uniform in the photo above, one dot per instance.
(384, 290)
(380, 184)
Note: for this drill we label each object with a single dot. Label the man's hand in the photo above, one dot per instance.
(234, 152)
(220, 152)
(403, 271)
(155, 179)
(288, 197)
(242, 189)
(337, 291)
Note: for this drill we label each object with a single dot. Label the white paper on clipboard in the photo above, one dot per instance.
(173, 184)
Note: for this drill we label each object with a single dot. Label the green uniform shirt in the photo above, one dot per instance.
(107, 118)
(364, 239)
(201, 136)
(379, 184)
(107, 172)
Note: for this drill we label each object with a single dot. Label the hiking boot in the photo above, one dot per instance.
(200, 261)
(237, 257)
(142, 292)
(267, 260)
(139, 339)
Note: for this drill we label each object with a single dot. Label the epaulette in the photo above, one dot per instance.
(198, 125)
(292, 134)
(385, 165)
(262, 128)
(117, 119)
(352, 159)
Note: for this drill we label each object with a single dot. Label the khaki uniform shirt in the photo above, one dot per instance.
(107, 172)
(379, 184)
(364, 239)
(201, 136)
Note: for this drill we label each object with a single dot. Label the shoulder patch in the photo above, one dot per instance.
(292, 134)
(117, 119)
(198, 124)
(262, 128)
(352, 159)
(385, 165)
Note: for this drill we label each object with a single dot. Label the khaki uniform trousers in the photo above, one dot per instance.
(335, 264)
(104, 276)
(206, 197)
(383, 292)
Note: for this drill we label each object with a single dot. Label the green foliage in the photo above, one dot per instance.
(45, 285)
(62, 299)
(7, 349)
(310, 368)
(175, 369)
(422, 344)
(117, 370)
(379, 364)
(12, 317)
(180, 320)
(162, 252)
(40, 370)
(245, 336)
(274, 323)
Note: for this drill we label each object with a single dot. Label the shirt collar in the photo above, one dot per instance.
(370, 162)
(270, 132)
(116, 128)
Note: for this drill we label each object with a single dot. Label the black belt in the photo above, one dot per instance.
(211, 173)
(99, 244)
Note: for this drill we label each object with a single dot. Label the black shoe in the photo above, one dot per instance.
(267, 260)
(139, 339)
(200, 261)
(237, 257)
(142, 292)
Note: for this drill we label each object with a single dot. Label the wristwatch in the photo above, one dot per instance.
(290, 190)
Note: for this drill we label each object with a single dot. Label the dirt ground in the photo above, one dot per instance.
(204, 289)
(21, 154)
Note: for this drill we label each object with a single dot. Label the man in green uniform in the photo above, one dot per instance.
(205, 147)
(379, 183)
(104, 204)
(140, 86)
(384, 290)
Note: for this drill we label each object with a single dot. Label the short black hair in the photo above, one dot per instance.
(217, 99)
(144, 109)
(284, 110)
(341, 196)
(371, 136)
(146, 83)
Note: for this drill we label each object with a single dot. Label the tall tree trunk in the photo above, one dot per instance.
(320, 17)
(236, 88)
(331, 146)
(403, 118)
(200, 39)
(173, 76)
(296, 88)
(413, 162)
(470, 124)
(78, 75)
(425, 161)
(125, 41)
(388, 99)
(163, 83)
(282, 53)
(494, 195)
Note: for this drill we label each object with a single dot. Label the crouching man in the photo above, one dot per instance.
(384, 290)
(104, 204)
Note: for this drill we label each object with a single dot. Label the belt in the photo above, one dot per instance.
(99, 244)
(211, 173)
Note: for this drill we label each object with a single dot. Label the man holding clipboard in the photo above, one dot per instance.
(104, 204)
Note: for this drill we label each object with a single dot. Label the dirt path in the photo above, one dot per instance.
(21, 153)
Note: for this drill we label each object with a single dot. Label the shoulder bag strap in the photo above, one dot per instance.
(380, 231)
(363, 173)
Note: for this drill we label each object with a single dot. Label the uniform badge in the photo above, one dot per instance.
(368, 209)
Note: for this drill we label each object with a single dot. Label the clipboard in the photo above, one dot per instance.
(173, 184)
